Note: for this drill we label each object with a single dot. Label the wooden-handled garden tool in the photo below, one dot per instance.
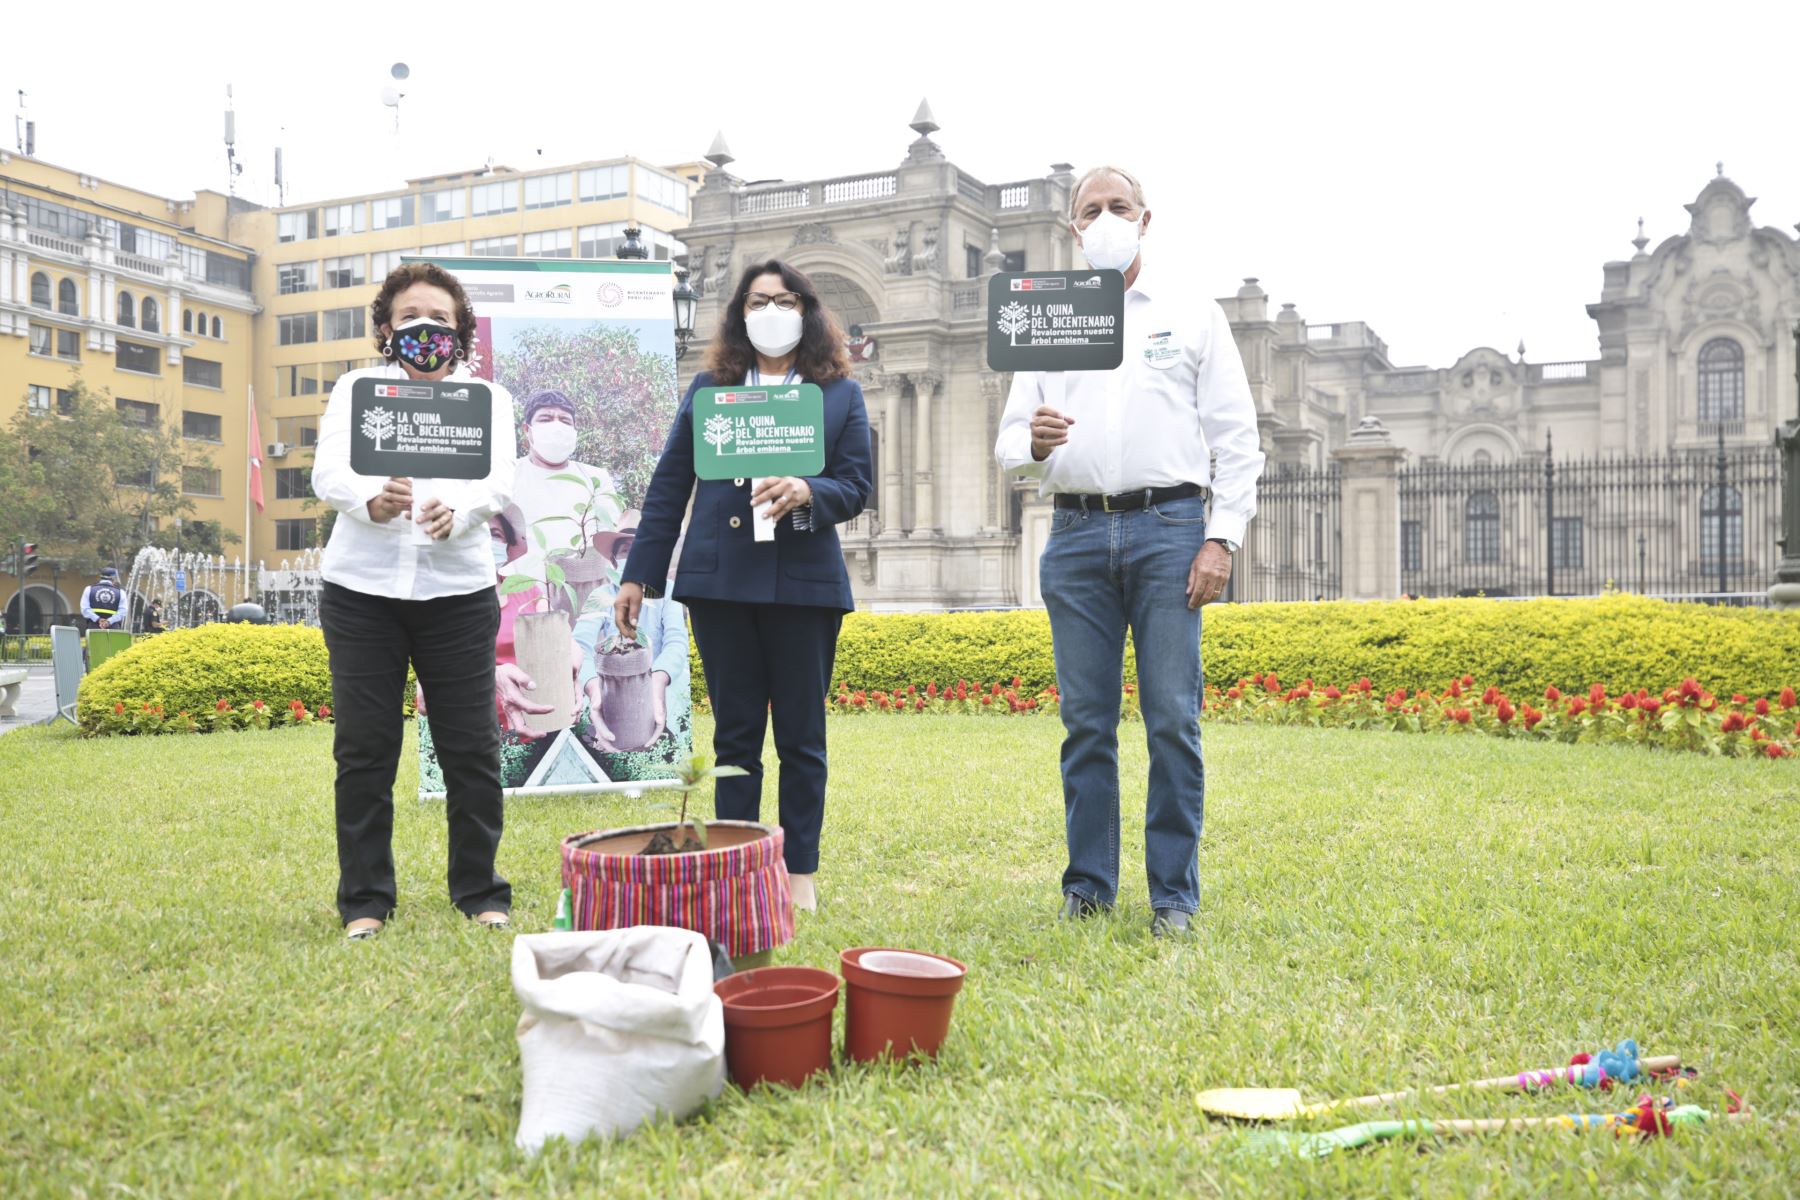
(1648, 1120)
(1620, 1065)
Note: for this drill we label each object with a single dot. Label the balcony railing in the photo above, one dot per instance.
(781, 199)
(865, 187)
(59, 245)
(1562, 372)
(965, 297)
(865, 524)
(137, 262)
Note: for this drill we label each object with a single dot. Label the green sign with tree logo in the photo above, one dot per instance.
(745, 432)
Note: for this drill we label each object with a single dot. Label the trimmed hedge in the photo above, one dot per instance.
(190, 670)
(1521, 646)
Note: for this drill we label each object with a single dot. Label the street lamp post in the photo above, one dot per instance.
(633, 246)
(1786, 591)
(686, 300)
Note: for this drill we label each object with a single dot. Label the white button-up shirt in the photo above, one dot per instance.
(381, 558)
(1177, 402)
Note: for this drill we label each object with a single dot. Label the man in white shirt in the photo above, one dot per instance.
(549, 482)
(1131, 458)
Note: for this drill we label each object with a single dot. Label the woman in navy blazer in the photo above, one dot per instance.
(765, 614)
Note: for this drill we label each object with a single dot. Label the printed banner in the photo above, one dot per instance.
(759, 431)
(587, 350)
(1056, 321)
(422, 429)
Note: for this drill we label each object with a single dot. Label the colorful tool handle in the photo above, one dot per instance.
(1524, 1081)
(1687, 1114)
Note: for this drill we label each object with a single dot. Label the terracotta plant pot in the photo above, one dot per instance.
(777, 1024)
(627, 696)
(735, 891)
(541, 646)
(898, 1001)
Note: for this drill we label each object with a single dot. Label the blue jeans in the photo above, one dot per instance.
(1101, 573)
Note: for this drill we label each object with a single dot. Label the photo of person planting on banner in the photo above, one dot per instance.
(578, 705)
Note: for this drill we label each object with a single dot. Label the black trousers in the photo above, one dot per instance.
(450, 643)
(764, 660)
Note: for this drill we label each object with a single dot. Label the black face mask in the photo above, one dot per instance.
(424, 344)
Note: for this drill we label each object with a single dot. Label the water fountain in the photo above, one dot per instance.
(191, 589)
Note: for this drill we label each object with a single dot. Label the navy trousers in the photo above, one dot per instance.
(763, 661)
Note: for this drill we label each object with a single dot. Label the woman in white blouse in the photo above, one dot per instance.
(391, 598)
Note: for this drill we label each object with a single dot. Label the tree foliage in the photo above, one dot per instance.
(89, 486)
(624, 394)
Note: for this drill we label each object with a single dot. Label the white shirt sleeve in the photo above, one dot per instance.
(1228, 418)
(1012, 447)
(332, 479)
(494, 492)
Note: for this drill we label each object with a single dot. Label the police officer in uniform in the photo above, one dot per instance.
(103, 603)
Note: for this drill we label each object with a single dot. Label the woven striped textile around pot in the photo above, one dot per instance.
(738, 895)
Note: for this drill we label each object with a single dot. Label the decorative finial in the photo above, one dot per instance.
(720, 154)
(994, 261)
(1721, 167)
(1521, 349)
(923, 123)
(1640, 241)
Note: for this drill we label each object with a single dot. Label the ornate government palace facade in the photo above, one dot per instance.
(1694, 339)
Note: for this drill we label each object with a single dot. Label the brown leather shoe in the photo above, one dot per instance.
(363, 928)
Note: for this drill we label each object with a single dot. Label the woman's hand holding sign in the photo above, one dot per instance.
(783, 494)
(394, 498)
(436, 518)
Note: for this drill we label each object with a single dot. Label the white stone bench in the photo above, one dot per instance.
(11, 680)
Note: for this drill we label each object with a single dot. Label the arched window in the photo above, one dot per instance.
(1481, 529)
(187, 320)
(148, 314)
(1721, 381)
(1482, 458)
(1721, 524)
(126, 311)
(68, 298)
(217, 328)
(40, 290)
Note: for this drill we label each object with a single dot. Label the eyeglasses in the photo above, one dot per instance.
(785, 301)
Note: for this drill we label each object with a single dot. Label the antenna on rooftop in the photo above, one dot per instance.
(232, 165)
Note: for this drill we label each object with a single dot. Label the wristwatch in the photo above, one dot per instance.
(1231, 547)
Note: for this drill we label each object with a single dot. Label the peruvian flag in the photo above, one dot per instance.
(256, 488)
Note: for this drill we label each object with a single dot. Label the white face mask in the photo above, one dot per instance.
(553, 441)
(499, 555)
(1110, 242)
(774, 332)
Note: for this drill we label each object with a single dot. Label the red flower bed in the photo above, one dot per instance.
(1687, 717)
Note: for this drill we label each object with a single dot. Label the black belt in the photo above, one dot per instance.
(1130, 501)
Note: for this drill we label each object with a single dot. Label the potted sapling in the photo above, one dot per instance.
(543, 641)
(725, 879)
(583, 566)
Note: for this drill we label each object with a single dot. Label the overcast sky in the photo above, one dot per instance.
(1454, 174)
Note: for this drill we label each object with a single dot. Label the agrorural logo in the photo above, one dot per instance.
(1092, 281)
(561, 293)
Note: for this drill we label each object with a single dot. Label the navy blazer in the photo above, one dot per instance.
(721, 560)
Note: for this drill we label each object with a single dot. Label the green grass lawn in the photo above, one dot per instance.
(182, 1017)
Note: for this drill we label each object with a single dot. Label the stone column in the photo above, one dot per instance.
(6, 268)
(893, 503)
(1370, 465)
(172, 313)
(96, 304)
(925, 521)
(993, 500)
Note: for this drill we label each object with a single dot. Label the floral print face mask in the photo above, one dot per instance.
(423, 344)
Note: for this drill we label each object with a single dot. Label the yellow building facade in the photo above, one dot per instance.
(139, 296)
(184, 309)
